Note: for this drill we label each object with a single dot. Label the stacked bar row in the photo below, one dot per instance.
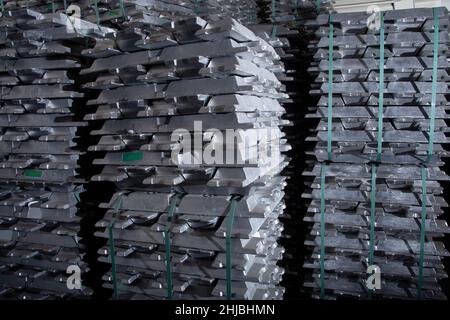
(375, 184)
(170, 106)
(40, 244)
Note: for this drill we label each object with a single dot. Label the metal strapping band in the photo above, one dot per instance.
(323, 170)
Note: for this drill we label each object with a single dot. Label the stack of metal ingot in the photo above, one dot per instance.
(286, 28)
(146, 13)
(193, 143)
(290, 12)
(384, 5)
(39, 222)
(376, 198)
(246, 12)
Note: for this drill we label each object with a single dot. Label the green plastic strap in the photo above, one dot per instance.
(122, 9)
(206, 6)
(323, 171)
(373, 193)
(422, 229)
(274, 26)
(112, 254)
(318, 5)
(229, 261)
(430, 148)
(196, 9)
(381, 91)
(77, 197)
(112, 251)
(434, 83)
(274, 31)
(172, 206)
(2, 6)
(97, 13)
(65, 7)
(330, 86)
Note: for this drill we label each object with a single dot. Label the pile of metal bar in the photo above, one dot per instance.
(376, 199)
(370, 6)
(196, 212)
(39, 191)
(285, 28)
(145, 13)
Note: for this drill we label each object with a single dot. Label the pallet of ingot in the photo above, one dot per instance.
(376, 196)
